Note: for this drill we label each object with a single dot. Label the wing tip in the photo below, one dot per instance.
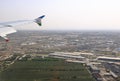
(42, 16)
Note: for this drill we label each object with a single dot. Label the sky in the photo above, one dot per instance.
(64, 14)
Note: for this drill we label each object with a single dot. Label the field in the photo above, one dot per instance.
(48, 69)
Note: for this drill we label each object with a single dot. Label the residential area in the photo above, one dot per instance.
(98, 51)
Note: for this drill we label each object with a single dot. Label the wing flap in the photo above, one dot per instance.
(5, 31)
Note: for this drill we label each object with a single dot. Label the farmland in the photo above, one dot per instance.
(47, 69)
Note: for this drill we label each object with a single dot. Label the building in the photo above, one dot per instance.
(94, 69)
(113, 69)
(97, 76)
(67, 56)
(87, 55)
(108, 59)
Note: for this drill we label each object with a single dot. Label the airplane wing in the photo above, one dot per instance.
(6, 27)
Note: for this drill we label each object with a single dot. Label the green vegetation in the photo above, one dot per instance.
(48, 69)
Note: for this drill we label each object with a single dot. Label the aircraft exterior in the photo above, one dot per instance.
(6, 27)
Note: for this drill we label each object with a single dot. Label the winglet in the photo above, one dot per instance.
(42, 16)
(38, 20)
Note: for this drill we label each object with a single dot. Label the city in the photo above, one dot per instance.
(98, 51)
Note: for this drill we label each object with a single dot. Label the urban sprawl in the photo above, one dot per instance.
(98, 51)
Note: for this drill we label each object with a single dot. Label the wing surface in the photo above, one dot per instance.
(6, 27)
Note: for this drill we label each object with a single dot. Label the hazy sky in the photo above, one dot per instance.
(64, 14)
